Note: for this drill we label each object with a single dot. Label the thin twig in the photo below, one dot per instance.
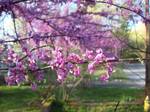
(116, 107)
(14, 24)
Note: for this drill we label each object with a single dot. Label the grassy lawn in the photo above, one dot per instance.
(105, 100)
(106, 94)
(16, 99)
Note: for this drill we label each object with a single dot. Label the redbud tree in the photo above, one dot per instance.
(61, 35)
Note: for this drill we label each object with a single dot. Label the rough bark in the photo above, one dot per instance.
(147, 62)
(147, 55)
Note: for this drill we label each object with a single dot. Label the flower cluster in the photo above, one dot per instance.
(97, 59)
(18, 69)
(59, 61)
(17, 74)
(63, 65)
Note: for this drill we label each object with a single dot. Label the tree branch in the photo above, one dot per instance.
(122, 7)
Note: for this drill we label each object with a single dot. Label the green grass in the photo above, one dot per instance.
(106, 108)
(106, 99)
(16, 99)
(107, 94)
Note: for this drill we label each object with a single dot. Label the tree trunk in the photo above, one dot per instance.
(147, 62)
(147, 65)
(147, 56)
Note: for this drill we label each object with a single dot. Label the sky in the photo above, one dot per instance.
(140, 28)
(6, 24)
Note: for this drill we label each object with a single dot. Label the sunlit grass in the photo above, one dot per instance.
(17, 99)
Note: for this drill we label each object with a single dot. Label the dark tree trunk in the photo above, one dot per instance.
(147, 69)
(147, 62)
(147, 56)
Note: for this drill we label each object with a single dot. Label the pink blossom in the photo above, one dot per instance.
(99, 58)
(61, 75)
(34, 86)
(104, 77)
(74, 58)
(76, 71)
(89, 54)
(110, 1)
(99, 51)
(91, 67)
